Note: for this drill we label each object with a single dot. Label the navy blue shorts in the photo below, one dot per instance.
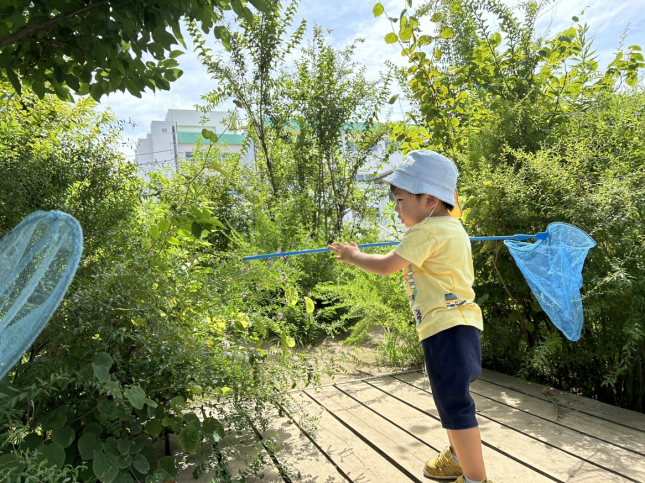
(454, 360)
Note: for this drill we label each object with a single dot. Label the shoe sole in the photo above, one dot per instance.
(438, 477)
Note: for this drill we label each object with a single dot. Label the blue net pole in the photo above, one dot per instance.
(537, 236)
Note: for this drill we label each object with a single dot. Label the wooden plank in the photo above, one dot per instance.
(548, 455)
(626, 438)
(392, 442)
(501, 468)
(239, 449)
(630, 419)
(357, 459)
(300, 458)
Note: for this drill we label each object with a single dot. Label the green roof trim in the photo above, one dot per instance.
(191, 138)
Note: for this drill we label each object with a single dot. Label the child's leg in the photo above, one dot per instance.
(467, 445)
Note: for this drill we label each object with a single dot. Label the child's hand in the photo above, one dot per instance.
(344, 251)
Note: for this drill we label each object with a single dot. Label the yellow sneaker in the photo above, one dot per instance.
(443, 467)
(462, 479)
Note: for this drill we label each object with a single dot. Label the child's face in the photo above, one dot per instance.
(410, 208)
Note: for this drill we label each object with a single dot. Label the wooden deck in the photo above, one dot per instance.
(384, 428)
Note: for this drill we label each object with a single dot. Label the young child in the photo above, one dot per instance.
(438, 270)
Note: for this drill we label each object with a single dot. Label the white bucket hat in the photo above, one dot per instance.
(426, 172)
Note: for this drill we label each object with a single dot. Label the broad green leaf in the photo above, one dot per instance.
(136, 396)
(169, 465)
(123, 478)
(447, 33)
(178, 404)
(192, 421)
(153, 427)
(575, 19)
(141, 464)
(101, 365)
(260, 327)
(496, 39)
(378, 9)
(213, 430)
(53, 453)
(137, 444)
(287, 342)
(405, 34)
(64, 436)
(93, 427)
(123, 445)
(31, 442)
(164, 226)
(10, 462)
(105, 467)
(124, 461)
(150, 452)
(88, 446)
(261, 6)
(308, 302)
(437, 17)
(391, 38)
(189, 439)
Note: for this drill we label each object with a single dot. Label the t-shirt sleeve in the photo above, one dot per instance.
(417, 246)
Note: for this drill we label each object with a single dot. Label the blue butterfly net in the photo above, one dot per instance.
(38, 260)
(553, 269)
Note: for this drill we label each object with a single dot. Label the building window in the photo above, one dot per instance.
(164, 130)
(189, 155)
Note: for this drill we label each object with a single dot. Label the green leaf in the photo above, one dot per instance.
(123, 445)
(575, 19)
(141, 464)
(64, 436)
(150, 452)
(192, 421)
(437, 17)
(123, 478)
(286, 342)
(196, 229)
(213, 430)
(53, 453)
(106, 467)
(9, 462)
(137, 444)
(447, 33)
(260, 5)
(169, 465)
(378, 9)
(496, 39)
(405, 34)
(153, 427)
(391, 38)
(260, 327)
(136, 396)
(101, 365)
(178, 404)
(310, 303)
(88, 446)
(189, 439)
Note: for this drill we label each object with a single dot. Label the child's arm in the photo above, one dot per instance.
(378, 264)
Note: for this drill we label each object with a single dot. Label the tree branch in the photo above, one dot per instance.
(29, 31)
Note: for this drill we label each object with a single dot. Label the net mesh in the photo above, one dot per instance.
(553, 270)
(38, 260)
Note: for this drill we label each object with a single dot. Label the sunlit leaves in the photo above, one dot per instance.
(378, 9)
(391, 38)
(447, 33)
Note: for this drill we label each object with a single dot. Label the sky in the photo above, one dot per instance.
(349, 19)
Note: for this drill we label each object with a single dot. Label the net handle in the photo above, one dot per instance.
(538, 236)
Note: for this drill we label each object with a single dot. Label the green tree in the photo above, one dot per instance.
(102, 46)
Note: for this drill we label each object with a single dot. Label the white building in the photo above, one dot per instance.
(175, 138)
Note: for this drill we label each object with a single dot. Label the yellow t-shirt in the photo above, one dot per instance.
(439, 279)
